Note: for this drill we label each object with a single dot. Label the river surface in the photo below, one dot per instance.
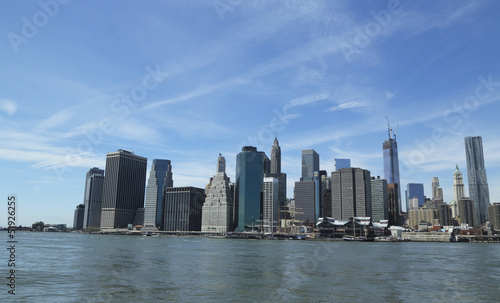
(66, 267)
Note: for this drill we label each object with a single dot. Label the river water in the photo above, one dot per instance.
(66, 267)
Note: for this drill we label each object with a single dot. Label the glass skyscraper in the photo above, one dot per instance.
(160, 176)
(415, 190)
(391, 167)
(310, 164)
(249, 178)
(92, 200)
(342, 163)
(478, 184)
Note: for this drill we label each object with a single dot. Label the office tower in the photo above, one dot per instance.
(326, 196)
(270, 205)
(342, 163)
(415, 190)
(351, 193)
(78, 218)
(92, 200)
(310, 164)
(494, 215)
(444, 214)
(478, 184)
(267, 165)
(458, 185)
(160, 175)
(416, 216)
(276, 157)
(183, 206)
(305, 201)
(466, 211)
(435, 191)
(391, 167)
(217, 212)
(249, 178)
(393, 203)
(124, 187)
(380, 209)
(276, 172)
(317, 194)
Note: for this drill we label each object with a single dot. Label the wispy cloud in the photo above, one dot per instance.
(346, 106)
(57, 119)
(306, 100)
(8, 106)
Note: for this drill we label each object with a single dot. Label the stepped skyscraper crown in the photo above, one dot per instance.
(276, 157)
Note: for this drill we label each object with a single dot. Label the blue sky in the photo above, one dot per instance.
(207, 77)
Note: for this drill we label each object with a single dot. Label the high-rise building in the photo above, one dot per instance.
(217, 213)
(435, 190)
(415, 190)
(160, 175)
(276, 172)
(183, 207)
(380, 209)
(92, 200)
(393, 203)
(310, 164)
(124, 187)
(458, 185)
(248, 186)
(413, 204)
(466, 211)
(270, 205)
(305, 202)
(351, 193)
(342, 163)
(444, 214)
(391, 167)
(494, 214)
(276, 157)
(78, 219)
(326, 196)
(478, 183)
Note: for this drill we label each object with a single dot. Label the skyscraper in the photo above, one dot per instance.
(270, 205)
(391, 166)
(92, 200)
(437, 192)
(415, 190)
(305, 202)
(478, 184)
(466, 211)
(78, 218)
(124, 186)
(249, 178)
(217, 212)
(393, 204)
(380, 209)
(342, 163)
(276, 157)
(351, 193)
(276, 172)
(458, 185)
(183, 207)
(160, 175)
(310, 164)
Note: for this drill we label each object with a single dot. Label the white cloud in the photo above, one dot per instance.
(346, 106)
(57, 119)
(8, 106)
(306, 100)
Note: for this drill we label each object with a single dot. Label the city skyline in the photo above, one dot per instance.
(322, 76)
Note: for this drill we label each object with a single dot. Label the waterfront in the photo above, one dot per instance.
(66, 267)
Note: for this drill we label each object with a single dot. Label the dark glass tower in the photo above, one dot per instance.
(160, 175)
(249, 178)
(478, 184)
(415, 190)
(124, 187)
(183, 208)
(310, 164)
(391, 167)
(93, 198)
